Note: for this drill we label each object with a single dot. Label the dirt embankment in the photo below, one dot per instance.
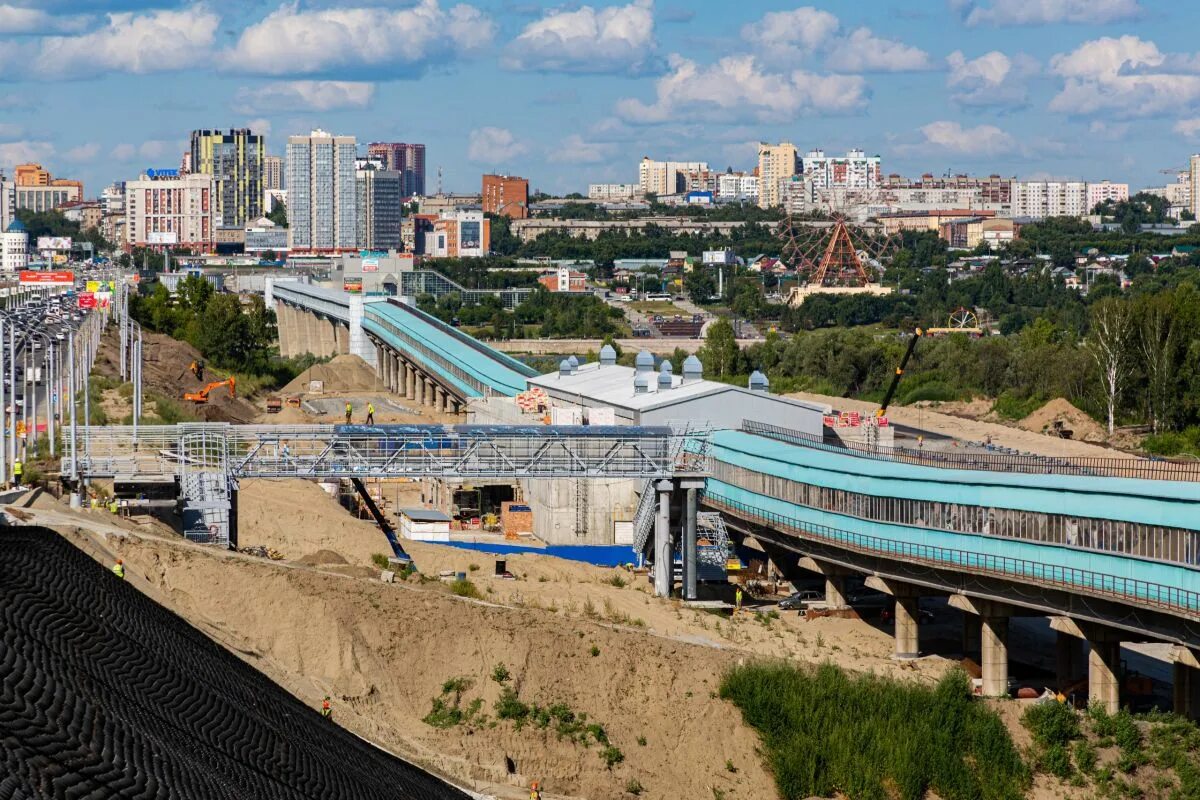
(165, 371)
(344, 373)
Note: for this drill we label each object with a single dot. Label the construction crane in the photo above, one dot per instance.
(887, 398)
(201, 396)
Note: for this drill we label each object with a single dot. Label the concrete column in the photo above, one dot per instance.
(439, 398)
(663, 566)
(401, 367)
(308, 322)
(287, 337)
(380, 367)
(1068, 659)
(994, 647)
(420, 398)
(689, 545)
(410, 382)
(835, 591)
(1186, 690)
(907, 639)
(1104, 683)
(447, 403)
(429, 386)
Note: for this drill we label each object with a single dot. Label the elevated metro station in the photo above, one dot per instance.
(1106, 548)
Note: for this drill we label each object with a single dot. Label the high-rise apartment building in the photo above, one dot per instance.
(855, 170)
(506, 195)
(1104, 191)
(272, 173)
(322, 192)
(407, 159)
(166, 208)
(380, 202)
(1042, 199)
(776, 162)
(671, 177)
(235, 160)
(1194, 184)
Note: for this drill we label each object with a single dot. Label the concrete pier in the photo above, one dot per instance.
(994, 655)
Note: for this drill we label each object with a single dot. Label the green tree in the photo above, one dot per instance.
(720, 350)
(700, 285)
(279, 214)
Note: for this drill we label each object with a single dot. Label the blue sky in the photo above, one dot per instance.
(577, 92)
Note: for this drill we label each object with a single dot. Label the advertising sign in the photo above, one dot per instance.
(87, 300)
(162, 237)
(352, 286)
(370, 260)
(47, 278)
(54, 243)
(59, 258)
(92, 286)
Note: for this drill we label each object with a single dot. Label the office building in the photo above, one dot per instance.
(463, 234)
(322, 192)
(407, 159)
(776, 163)
(164, 208)
(380, 203)
(614, 191)
(737, 187)
(8, 202)
(1042, 199)
(38, 190)
(264, 236)
(506, 195)
(855, 170)
(564, 279)
(672, 177)
(14, 247)
(235, 161)
(272, 173)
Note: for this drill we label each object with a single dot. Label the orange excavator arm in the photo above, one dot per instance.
(202, 395)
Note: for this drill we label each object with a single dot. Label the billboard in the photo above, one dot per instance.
(470, 235)
(370, 260)
(352, 286)
(87, 300)
(54, 243)
(48, 278)
(162, 237)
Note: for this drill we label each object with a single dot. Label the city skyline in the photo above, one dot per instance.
(1086, 89)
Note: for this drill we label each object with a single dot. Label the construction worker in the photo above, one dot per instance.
(119, 569)
(18, 470)
(326, 708)
(113, 507)
(737, 600)
(370, 413)
(349, 408)
(535, 791)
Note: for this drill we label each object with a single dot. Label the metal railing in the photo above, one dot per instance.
(1132, 590)
(316, 451)
(1146, 468)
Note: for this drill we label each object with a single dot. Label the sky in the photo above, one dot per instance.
(567, 94)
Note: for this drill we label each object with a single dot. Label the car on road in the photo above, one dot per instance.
(800, 600)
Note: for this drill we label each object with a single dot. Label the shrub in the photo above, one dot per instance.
(617, 581)
(473, 568)
(871, 737)
(465, 588)
(509, 706)
(1055, 760)
(1010, 406)
(500, 673)
(379, 560)
(633, 786)
(1051, 723)
(611, 756)
(1085, 756)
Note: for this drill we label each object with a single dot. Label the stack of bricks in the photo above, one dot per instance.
(515, 519)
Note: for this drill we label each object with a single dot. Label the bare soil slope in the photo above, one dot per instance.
(165, 371)
(1058, 410)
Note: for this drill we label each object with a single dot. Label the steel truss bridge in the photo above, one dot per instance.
(208, 459)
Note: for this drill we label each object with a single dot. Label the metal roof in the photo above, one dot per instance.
(423, 515)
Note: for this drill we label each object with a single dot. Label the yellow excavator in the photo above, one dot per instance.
(201, 397)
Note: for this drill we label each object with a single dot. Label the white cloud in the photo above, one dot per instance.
(290, 41)
(493, 146)
(613, 39)
(1109, 131)
(982, 140)
(156, 41)
(803, 30)
(863, 51)
(82, 153)
(298, 96)
(260, 126)
(14, 19)
(23, 151)
(807, 32)
(1189, 128)
(576, 150)
(736, 84)
(1040, 12)
(1126, 76)
(157, 148)
(992, 79)
(123, 153)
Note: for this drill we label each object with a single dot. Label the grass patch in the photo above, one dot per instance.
(379, 560)
(652, 307)
(872, 738)
(616, 580)
(466, 588)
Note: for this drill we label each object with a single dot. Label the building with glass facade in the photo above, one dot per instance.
(235, 160)
(322, 192)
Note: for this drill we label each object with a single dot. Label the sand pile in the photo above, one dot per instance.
(345, 373)
(165, 371)
(297, 518)
(1082, 427)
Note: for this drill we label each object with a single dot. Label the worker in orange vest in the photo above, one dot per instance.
(326, 709)
(535, 791)
(119, 569)
(349, 408)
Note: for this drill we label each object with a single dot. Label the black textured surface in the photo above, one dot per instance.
(105, 694)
